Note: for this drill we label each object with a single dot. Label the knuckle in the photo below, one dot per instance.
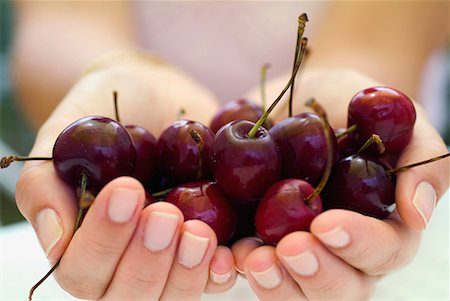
(386, 264)
(80, 287)
(99, 249)
(184, 288)
(139, 280)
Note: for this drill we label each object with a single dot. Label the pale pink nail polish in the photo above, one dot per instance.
(49, 229)
(303, 264)
(335, 238)
(268, 279)
(192, 249)
(160, 230)
(425, 201)
(122, 204)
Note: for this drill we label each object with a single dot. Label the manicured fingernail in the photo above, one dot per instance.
(122, 204)
(268, 279)
(336, 238)
(192, 249)
(220, 278)
(49, 229)
(304, 264)
(424, 201)
(160, 230)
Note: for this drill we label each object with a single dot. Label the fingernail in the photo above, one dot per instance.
(268, 279)
(160, 230)
(220, 278)
(303, 264)
(122, 204)
(49, 229)
(336, 238)
(424, 201)
(192, 249)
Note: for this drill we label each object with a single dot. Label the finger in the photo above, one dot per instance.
(419, 189)
(144, 268)
(267, 277)
(241, 249)
(373, 246)
(49, 205)
(91, 258)
(222, 274)
(190, 270)
(320, 274)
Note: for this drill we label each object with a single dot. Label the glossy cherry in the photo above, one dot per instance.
(383, 111)
(283, 210)
(238, 109)
(302, 145)
(146, 154)
(204, 201)
(184, 150)
(245, 167)
(97, 146)
(361, 183)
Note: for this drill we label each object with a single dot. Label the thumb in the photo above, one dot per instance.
(419, 189)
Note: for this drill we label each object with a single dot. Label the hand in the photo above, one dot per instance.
(122, 251)
(346, 253)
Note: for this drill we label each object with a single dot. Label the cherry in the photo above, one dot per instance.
(238, 109)
(204, 201)
(383, 111)
(97, 146)
(302, 145)
(360, 183)
(184, 152)
(283, 210)
(245, 167)
(146, 154)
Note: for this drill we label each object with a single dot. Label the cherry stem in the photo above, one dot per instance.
(6, 161)
(263, 85)
(317, 108)
(116, 106)
(327, 172)
(84, 195)
(200, 146)
(349, 130)
(302, 19)
(406, 167)
(263, 118)
(162, 192)
(373, 139)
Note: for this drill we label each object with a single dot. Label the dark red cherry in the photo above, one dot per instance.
(146, 154)
(245, 167)
(204, 201)
(238, 109)
(97, 146)
(344, 143)
(284, 209)
(361, 183)
(383, 111)
(184, 150)
(303, 148)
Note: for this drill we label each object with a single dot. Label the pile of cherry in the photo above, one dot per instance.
(243, 179)
(242, 174)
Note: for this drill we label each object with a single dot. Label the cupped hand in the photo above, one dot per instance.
(346, 253)
(123, 250)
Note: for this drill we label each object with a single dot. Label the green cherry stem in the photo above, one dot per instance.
(406, 167)
(85, 201)
(327, 172)
(302, 19)
(349, 130)
(116, 106)
(6, 161)
(263, 118)
(373, 139)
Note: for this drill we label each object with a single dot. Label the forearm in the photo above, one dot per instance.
(53, 46)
